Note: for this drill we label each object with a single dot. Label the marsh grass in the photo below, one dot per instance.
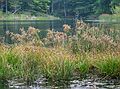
(16, 65)
(109, 66)
(9, 64)
(61, 56)
(56, 64)
(82, 65)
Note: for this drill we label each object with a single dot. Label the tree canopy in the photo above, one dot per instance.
(25, 5)
(84, 7)
(60, 8)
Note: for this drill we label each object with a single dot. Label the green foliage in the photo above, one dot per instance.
(60, 7)
(73, 7)
(56, 67)
(28, 59)
(115, 17)
(30, 65)
(25, 5)
(40, 5)
(83, 7)
(117, 10)
(103, 6)
(3, 69)
(10, 65)
(109, 66)
(82, 65)
(14, 5)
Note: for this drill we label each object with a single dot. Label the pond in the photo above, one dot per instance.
(44, 25)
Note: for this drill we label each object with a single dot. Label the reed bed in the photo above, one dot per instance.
(61, 55)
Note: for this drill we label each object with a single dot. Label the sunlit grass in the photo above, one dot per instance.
(109, 66)
(29, 63)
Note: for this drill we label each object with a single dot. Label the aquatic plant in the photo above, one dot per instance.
(91, 38)
(60, 56)
(31, 35)
(57, 64)
(109, 66)
(82, 65)
(66, 28)
(55, 38)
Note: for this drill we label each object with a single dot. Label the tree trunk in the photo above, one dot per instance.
(6, 6)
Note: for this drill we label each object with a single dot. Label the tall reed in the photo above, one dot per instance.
(61, 55)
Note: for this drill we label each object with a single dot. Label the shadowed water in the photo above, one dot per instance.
(56, 25)
(42, 25)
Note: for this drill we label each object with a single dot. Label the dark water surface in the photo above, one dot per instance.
(57, 25)
(42, 25)
(15, 25)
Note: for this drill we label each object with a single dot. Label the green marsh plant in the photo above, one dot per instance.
(109, 66)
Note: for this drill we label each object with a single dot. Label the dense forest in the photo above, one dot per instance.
(61, 8)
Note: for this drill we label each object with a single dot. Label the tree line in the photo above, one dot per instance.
(62, 8)
(84, 7)
(32, 6)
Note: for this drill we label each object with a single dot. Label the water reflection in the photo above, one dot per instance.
(42, 25)
(74, 84)
(56, 25)
(14, 26)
